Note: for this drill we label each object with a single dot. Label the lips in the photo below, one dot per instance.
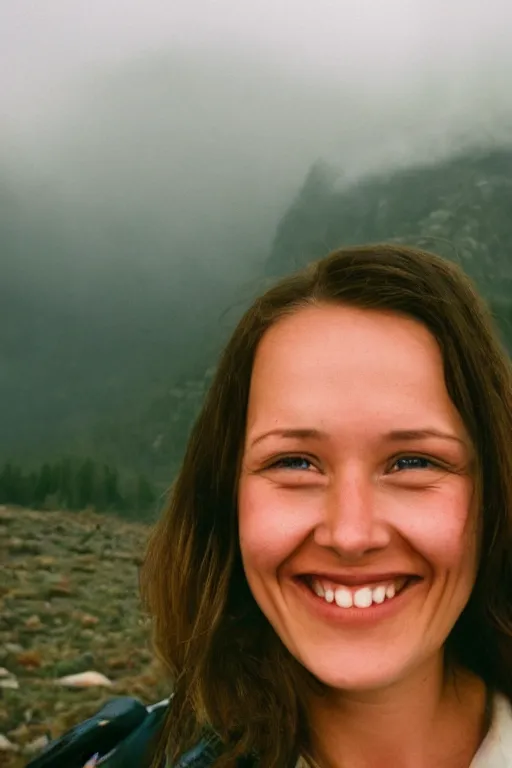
(358, 591)
(355, 579)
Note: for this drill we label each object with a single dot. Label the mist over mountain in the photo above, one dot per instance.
(142, 212)
(458, 207)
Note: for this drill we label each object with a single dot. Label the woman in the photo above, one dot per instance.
(331, 582)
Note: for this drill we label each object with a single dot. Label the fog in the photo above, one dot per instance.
(148, 150)
(203, 117)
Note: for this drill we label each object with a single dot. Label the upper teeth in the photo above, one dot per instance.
(362, 597)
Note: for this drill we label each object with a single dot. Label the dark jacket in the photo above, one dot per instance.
(122, 733)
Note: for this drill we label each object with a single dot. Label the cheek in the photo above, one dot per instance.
(271, 525)
(443, 527)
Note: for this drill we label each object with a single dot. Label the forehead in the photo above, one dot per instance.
(328, 363)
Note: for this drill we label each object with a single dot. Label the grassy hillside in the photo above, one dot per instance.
(68, 603)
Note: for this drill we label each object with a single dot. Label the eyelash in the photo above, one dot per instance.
(275, 465)
(410, 457)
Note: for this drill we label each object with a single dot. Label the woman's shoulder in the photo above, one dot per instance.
(496, 749)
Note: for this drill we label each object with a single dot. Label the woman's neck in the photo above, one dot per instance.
(427, 721)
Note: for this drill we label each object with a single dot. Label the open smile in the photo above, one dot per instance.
(356, 602)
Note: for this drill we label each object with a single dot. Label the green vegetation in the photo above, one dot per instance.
(74, 485)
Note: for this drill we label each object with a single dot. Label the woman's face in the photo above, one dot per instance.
(356, 509)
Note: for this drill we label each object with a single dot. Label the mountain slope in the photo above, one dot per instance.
(460, 208)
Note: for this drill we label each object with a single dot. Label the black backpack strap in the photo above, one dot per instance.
(121, 733)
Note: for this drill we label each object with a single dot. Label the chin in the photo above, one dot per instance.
(355, 674)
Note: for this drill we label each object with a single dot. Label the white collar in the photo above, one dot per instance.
(496, 749)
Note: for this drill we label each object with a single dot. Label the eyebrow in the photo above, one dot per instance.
(302, 433)
(395, 435)
(422, 434)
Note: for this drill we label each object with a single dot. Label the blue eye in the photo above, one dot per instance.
(292, 462)
(413, 462)
(301, 463)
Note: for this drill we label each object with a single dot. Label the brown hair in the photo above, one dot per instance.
(230, 671)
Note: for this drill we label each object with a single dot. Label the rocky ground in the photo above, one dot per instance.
(68, 604)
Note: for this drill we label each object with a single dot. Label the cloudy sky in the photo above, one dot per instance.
(219, 107)
(407, 58)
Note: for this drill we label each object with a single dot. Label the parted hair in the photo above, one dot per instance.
(229, 671)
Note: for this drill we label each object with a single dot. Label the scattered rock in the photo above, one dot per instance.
(13, 648)
(87, 679)
(6, 745)
(21, 733)
(37, 745)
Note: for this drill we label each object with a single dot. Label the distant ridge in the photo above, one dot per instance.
(461, 208)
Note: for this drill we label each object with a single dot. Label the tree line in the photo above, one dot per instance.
(74, 484)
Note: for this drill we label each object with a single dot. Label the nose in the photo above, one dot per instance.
(350, 522)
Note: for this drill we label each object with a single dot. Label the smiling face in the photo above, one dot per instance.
(356, 507)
